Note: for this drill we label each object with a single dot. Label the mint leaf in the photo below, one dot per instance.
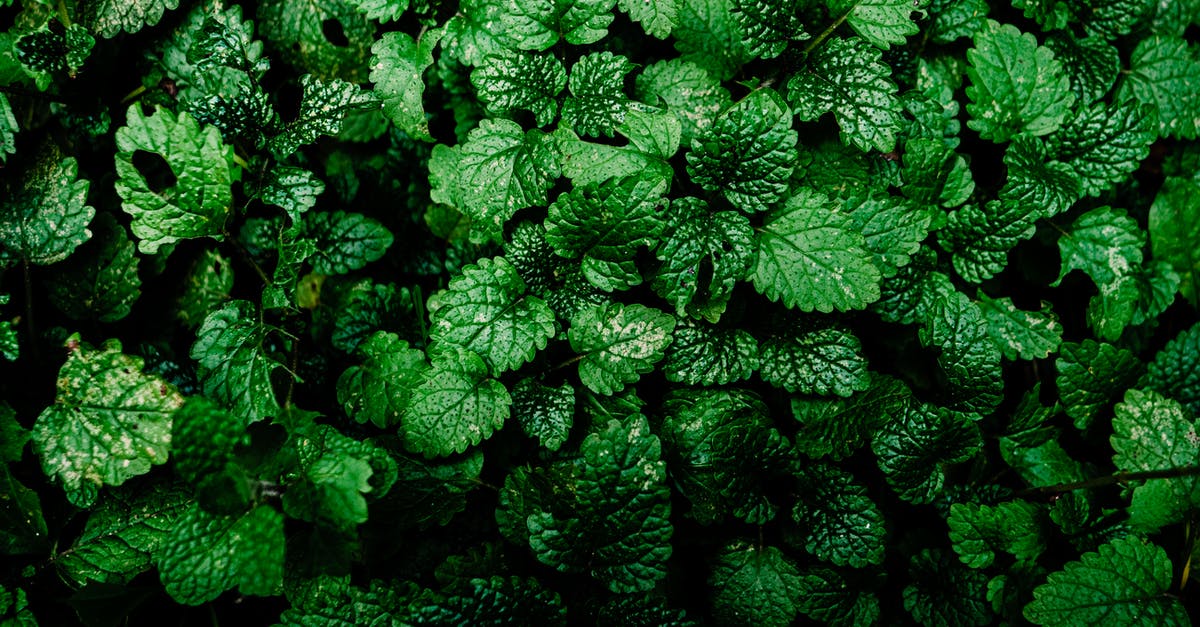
(558, 281)
(544, 412)
(397, 65)
(101, 280)
(22, 525)
(836, 427)
(944, 592)
(1020, 334)
(486, 310)
(826, 596)
(1151, 432)
(457, 405)
(382, 10)
(295, 190)
(297, 33)
(8, 129)
(233, 366)
(199, 202)
(1016, 85)
(1104, 144)
(704, 256)
(980, 238)
(1123, 582)
(881, 22)
(707, 34)
(970, 362)
(893, 230)
(618, 343)
(345, 241)
(1104, 243)
(758, 585)
(954, 19)
(1163, 73)
(203, 440)
(748, 153)
(597, 102)
(335, 476)
(934, 174)
(705, 355)
(379, 390)
(848, 77)
(1174, 227)
(653, 139)
(915, 446)
(810, 257)
(109, 17)
(1091, 62)
(839, 523)
(109, 422)
(205, 555)
(324, 105)
(1090, 375)
(539, 25)
(688, 91)
(980, 531)
(1174, 372)
(1037, 183)
(46, 218)
(768, 27)
(520, 80)
(826, 360)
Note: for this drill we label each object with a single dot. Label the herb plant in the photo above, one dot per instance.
(615, 312)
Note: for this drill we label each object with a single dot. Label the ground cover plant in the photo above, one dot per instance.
(614, 312)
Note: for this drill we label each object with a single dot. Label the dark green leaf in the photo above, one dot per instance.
(1091, 375)
(839, 522)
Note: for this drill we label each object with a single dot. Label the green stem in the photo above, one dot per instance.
(1100, 482)
(819, 39)
(419, 305)
(570, 362)
(30, 326)
(63, 16)
(134, 94)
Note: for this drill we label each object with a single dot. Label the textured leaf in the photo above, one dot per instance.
(893, 230)
(54, 51)
(520, 80)
(324, 104)
(203, 441)
(908, 297)
(471, 35)
(1036, 183)
(383, 10)
(123, 532)
(980, 237)
(811, 258)
(207, 285)
(397, 65)
(101, 280)
(1091, 375)
(544, 412)
(1105, 144)
(754, 585)
(825, 596)
(1104, 243)
(1151, 432)
(978, 532)
(368, 307)
(849, 78)
(1020, 334)
(653, 139)
(199, 202)
(706, 34)
(839, 523)
(378, 390)
(597, 102)
(539, 24)
(704, 256)
(944, 592)
(1123, 583)
(688, 91)
(298, 34)
(46, 218)
(1165, 74)
(913, 448)
(722, 451)
(615, 524)
(8, 129)
(969, 360)
(1175, 372)
(232, 364)
(336, 474)
(556, 280)
(1091, 62)
(292, 189)
(1016, 85)
(836, 427)
(657, 17)
(205, 555)
(767, 27)
(822, 360)
(618, 343)
(345, 241)
(954, 19)
(110, 17)
(705, 355)
(499, 170)
(1174, 231)
(109, 422)
(748, 153)
(934, 174)
(457, 405)
(881, 22)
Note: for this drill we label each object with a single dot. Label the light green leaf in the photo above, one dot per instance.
(954, 19)
(653, 139)
(397, 65)
(702, 354)
(205, 555)
(706, 34)
(109, 422)
(1175, 230)
(618, 343)
(539, 24)
(199, 202)
(1020, 334)
(1123, 583)
(233, 365)
(849, 78)
(8, 129)
(916, 445)
(1091, 375)
(836, 427)
(657, 17)
(826, 360)
(881, 22)
(838, 521)
(292, 189)
(1151, 432)
(754, 586)
(379, 390)
(324, 105)
(688, 91)
(1016, 85)
(597, 103)
(520, 80)
(109, 17)
(768, 26)
(704, 256)
(382, 10)
(544, 412)
(345, 242)
(457, 405)
(1165, 74)
(978, 532)
(810, 257)
(45, 217)
(336, 474)
(893, 230)
(1104, 243)
(101, 280)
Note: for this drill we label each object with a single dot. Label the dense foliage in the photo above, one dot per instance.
(615, 312)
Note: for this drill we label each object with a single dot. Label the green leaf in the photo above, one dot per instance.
(367, 307)
(1020, 334)
(822, 359)
(233, 366)
(109, 422)
(1174, 230)
(44, 219)
(485, 310)
(558, 281)
(934, 174)
(1104, 243)
(653, 140)
(908, 297)
(204, 438)
(8, 129)
(605, 225)
(597, 103)
(1104, 144)
(722, 452)
(23, 528)
(472, 34)
(1092, 63)
(1123, 583)
(1175, 371)
(1164, 73)
(427, 494)
(748, 153)
(980, 237)
(657, 17)
(54, 51)
(397, 65)
(615, 523)
(954, 19)
(457, 405)
(379, 390)
(688, 91)
(207, 285)
(1091, 375)
(345, 242)
(825, 596)
(881, 22)
(520, 80)
(706, 34)
(199, 202)
(704, 256)
(493, 601)
(839, 523)
(1016, 85)
(1151, 432)
(205, 555)
(109, 17)
(702, 354)
(539, 25)
(849, 78)
(836, 427)
(1036, 183)
(336, 475)
(544, 412)
(382, 10)
(295, 190)
(123, 532)
(944, 592)
(499, 170)
(768, 27)
(916, 445)
(101, 280)
(298, 34)
(15, 437)
(811, 258)
(618, 343)
(893, 229)
(969, 360)
(754, 586)
(978, 532)
(322, 108)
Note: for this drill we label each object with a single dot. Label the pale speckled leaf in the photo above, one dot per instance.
(704, 256)
(1020, 334)
(597, 102)
(618, 344)
(520, 81)
(702, 354)
(1151, 432)
(768, 26)
(109, 17)
(206, 554)
(397, 65)
(544, 412)
(881, 22)
(822, 361)
(689, 92)
(1091, 375)
(1105, 243)
(44, 219)
(1165, 74)
(457, 405)
(232, 364)
(1105, 143)
(657, 17)
(538, 24)
(752, 585)
(8, 129)
(323, 107)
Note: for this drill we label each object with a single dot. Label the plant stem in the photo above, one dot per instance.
(134, 94)
(819, 39)
(570, 362)
(248, 258)
(1100, 482)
